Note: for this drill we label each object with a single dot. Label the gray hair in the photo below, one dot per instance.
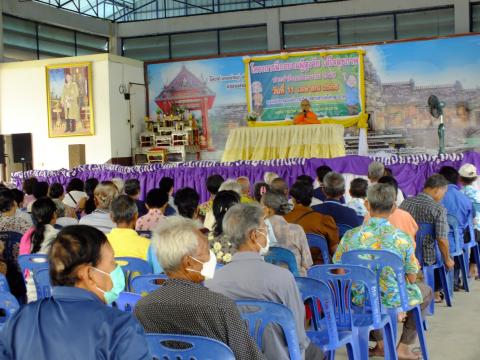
(173, 239)
(334, 184)
(104, 194)
(232, 185)
(124, 209)
(239, 221)
(60, 208)
(276, 201)
(269, 176)
(375, 170)
(119, 183)
(436, 181)
(381, 197)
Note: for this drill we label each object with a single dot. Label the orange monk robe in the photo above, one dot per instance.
(301, 119)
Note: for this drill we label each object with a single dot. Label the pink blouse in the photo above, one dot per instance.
(26, 242)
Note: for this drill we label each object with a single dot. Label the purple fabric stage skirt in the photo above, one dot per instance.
(410, 171)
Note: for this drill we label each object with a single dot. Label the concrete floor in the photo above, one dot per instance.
(453, 333)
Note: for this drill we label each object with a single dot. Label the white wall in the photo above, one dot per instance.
(23, 108)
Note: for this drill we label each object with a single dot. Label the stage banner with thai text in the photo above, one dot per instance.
(333, 82)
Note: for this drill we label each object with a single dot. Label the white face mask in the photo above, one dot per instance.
(208, 268)
(263, 249)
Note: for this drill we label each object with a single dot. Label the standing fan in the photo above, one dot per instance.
(436, 110)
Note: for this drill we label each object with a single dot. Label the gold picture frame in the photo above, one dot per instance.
(70, 100)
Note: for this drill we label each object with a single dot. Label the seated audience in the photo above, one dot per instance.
(318, 193)
(213, 184)
(231, 184)
(245, 189)
(222, 248)
(269, 176)
(334, 189)
(399, 218)
(260, 188)
(124, 239)
(166, 185)
(248, 276)
(280, 185)
(309, 181)
(120, 184)
(310, 220)
(100, 218)
(426, 208)
(90, 185)
(375, 171)
(157, 201)
(358, 194)
(378, 234)
(38, 239)
(75, 197)
(132, 189)
(9, 219)
(19, 197)
(40, 190)
(468, 176)
(186, 201)
(75, 323)
(289, 236)
(56, 193)
(183, 305)
(28, 185)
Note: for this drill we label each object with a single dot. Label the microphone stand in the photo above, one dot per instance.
(441, 136)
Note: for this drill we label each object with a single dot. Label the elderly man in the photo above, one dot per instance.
(248, 276)
(306, 116)
(184, 306)
(375, 171)
(103, 195)
(378, 234)
(124, 239)
(334, 189)
(245, 186)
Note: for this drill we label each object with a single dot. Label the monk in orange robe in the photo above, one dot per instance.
(306, 116)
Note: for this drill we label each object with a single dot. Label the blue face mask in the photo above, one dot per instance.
(118, 282)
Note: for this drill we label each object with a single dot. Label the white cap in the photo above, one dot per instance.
(468, 171)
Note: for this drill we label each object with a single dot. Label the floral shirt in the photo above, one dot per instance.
(358, 205)
(14, 223)
(205, 207)
(149, 221)
(379, 234)
(222, 248)
(473, 194)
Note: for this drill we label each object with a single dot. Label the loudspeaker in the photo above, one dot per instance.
(22, 148)
(76, 155)
(2, 149)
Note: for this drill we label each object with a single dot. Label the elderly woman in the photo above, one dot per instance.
(290, 236)
(75, 323)
(100, 218)
(184, 306)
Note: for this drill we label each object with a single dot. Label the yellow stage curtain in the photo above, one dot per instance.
(282, 142)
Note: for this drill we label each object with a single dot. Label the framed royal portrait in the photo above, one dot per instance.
(69, 100)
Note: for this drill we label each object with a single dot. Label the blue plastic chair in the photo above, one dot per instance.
(325, 333)
(342, 229)
(258, 314)
(429, 270)
(133, 267)
(32, 262)
(4, 284)
(145, 233)
(126, 301)
(145, 284)
(16, 282)
(457, 253)
(9, 304)
(378, 260)
(319, 241)
(360, 323)
(281, 256)
(42, 283)
(472, 245)
(197, 347)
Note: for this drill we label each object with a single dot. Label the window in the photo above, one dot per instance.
(475, 13)
(243, 39)
(194, 44)
(426, 23)
(90, 44)
(19, 39)
(366, 29)
(309, 34)
(55, 42)
(147, 48)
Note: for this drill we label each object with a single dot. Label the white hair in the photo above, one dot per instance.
(232, 185)
(119, 183)
(269, 176)
(173, 239)
(375, 170)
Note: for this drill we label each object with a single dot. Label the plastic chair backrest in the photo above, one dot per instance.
(314, 290)
(9, 304)
(196, 348)
(145, 233)
(453, 224)
(424, 230)
(133, 267)
(142, 284)
(342, 229)
(258, 314)
(4, 284)
(319, 241)
(377, 260)
(341, 286)
(42, 283)
(33, 262)
(281, 256)
(126, 301)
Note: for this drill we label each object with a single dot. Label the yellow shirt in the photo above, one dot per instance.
(126, 242)
(244, 199)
